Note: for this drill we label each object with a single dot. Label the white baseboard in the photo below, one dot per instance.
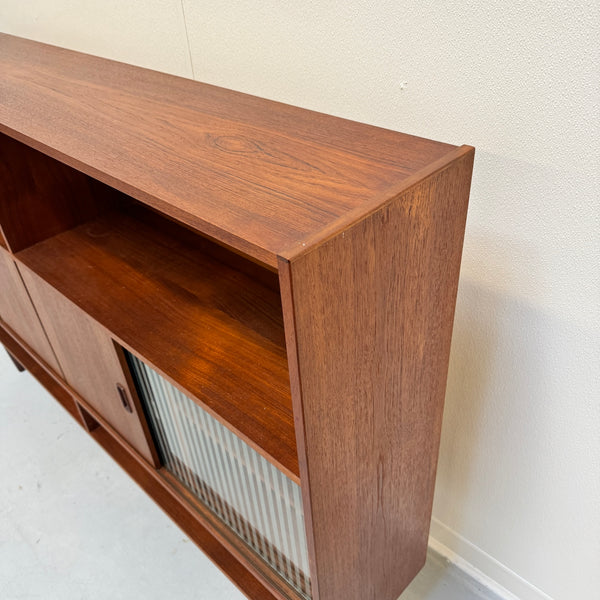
(479, 568)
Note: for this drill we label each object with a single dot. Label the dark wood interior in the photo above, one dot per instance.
(40, 196)
(207, 318)
(210, 328)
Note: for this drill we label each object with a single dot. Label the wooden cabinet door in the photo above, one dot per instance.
(91, 364)
(17, 311)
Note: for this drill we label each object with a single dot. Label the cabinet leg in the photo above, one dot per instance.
(17, 364)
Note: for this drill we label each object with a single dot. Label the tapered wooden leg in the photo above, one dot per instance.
(17, 364)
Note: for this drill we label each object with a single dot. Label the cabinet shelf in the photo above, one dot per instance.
(290, 172)
(210, 328)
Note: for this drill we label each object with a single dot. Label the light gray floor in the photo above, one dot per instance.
(73, 526)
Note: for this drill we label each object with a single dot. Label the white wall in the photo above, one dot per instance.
(518, 492)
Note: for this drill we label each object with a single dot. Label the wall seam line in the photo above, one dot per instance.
(187, 39)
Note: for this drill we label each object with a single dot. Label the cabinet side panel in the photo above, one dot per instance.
(18, 312)
(372, 311)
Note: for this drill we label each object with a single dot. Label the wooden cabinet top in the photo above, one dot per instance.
(267, 179)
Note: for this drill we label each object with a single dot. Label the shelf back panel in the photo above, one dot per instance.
(193, 314)
(41, 197)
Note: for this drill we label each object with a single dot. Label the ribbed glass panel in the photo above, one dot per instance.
(256, 500)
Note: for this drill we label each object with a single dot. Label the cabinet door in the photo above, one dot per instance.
(91, 364)
(17, 311)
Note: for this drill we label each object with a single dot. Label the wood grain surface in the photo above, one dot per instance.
(369, 315)
(257, 175)
(213, 331)
(89, 362)
(39, 196)
(18, 312)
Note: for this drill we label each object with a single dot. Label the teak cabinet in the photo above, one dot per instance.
(247, 304)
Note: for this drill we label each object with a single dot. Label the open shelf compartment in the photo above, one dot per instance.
(205, 318)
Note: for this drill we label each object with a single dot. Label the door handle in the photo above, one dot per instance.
(124, 398)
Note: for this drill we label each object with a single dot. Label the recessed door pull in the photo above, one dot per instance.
(124, 398)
